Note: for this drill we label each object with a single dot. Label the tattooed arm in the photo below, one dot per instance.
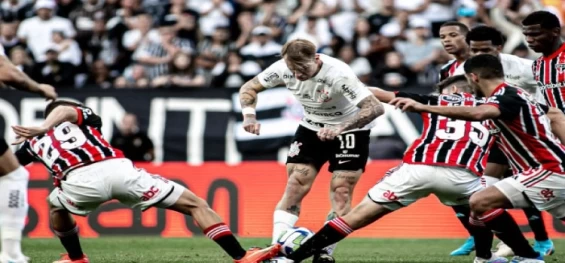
(12, 76)
(371, 108)
(248, 100)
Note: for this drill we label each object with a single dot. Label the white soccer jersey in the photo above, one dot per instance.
(517, 72)
(330, 97)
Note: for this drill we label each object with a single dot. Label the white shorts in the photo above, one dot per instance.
(541, 188)
(407, 183)
(86, 188)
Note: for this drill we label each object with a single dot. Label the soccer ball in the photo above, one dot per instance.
(291, 239)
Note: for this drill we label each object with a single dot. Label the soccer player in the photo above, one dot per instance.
(89, 172)
(517, 72)
(447, 160)
(336, 106)
(13, 177)
(525, 136)
(543, 34)
(452, 35)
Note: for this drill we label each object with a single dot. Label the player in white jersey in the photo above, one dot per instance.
(517, 72)
(13, 177)
(338, 114)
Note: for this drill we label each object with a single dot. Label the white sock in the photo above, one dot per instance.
(282, 221)
(14, 207)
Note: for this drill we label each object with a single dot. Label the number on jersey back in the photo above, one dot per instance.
(70, 145)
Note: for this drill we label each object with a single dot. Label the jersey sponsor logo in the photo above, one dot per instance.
(349, 92)
(343, 161)
(551, 85)
(313, 123)
(346, 155)
(272, 76)
(294, 149)
(451, 98)
(512, 77)
(287, 76)
(14, 199)
(149, 194)
(306, 107)
(324, 114)
(560, 67)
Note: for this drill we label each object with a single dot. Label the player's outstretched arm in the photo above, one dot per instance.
(371, 108)
(557, 119)
(248, 100)
(382, 95)
(14, 77)
(59, 115)
(478, 113)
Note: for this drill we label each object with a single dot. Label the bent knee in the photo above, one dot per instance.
(479, 203)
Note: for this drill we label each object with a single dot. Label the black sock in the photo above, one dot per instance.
(223, 236)
(332, 232)
(536, 223)
(507, 230)
(483, 238)
(71, 242)
(463, 212)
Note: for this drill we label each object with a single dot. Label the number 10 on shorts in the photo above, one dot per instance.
(346, 141)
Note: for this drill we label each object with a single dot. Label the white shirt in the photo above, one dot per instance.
(330, 97)
(38, 33)
(517, 72)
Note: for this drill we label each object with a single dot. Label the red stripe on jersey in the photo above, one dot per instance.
(453, 67)
(115, 152)
(461, 145)
(436, 143)
(550, 75)
(65, 155)
(410, 152)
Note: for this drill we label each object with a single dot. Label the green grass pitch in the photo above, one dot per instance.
(199, 249)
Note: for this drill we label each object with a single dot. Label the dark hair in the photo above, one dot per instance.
(51, 106)
(485, 66)
(462, 27)
(460, 80)
(545, 19)
(485, 33)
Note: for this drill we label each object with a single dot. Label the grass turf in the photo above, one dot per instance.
(200, 249)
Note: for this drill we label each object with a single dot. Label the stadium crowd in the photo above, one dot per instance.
(223, 43)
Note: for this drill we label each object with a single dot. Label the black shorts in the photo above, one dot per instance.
(348, 152)
(3, 146)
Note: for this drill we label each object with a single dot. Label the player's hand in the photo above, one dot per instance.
(406, 104)
(47, 91)
(251, 125)
(329, 133)
(24, 133)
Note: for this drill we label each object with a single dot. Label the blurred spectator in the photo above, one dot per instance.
(385, 14)
(219, 44)
(134, 143)
(383, 43)
(83, 17)
(361, 38)
(16, 10)
(187, 26)
(156, 55)
(53, 71)
(37, 31)
(419, 51)
(21, 59)
(521, 51)
(182, 73)
(262, 48)
(345, 14)
(214, 13)
(133, 77)
(235, 72)
(98, 45)
(66, 7)
(99, 76)
(8, 38)
(394, 74)
(68, 49)
(359, 65)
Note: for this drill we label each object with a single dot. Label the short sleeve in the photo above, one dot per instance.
(352, 89)
(509, 105)
(424, 99)
(87, 117)
(273, 75)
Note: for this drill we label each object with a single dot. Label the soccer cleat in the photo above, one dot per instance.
(527, 260)
(545, 248)
(278, 260)
(257, 255)
(503, 250)
(5, 259)
(66, 259)
(465, 249)
(493, 259)
(323, 257)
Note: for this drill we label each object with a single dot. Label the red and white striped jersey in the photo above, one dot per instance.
(449, 142)
(70, 145)
(549, 72)
(524, 131)
(448, 69)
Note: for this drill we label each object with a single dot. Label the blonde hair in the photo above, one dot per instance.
(299, 51)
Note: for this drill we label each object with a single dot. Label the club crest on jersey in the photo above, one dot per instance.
(560, 67)
(324, 96)
(294, 149)
(451, 98)
(272, 76)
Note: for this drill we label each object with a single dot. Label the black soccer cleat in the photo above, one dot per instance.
(323, 258)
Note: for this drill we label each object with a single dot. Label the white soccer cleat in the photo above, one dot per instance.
(5, 259)
(527, 260)
(493, 259)
(278, 260)
(503, 250)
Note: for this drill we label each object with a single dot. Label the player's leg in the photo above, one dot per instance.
(306, 156)
(13, 205)
(542, 243)
(487, 207)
